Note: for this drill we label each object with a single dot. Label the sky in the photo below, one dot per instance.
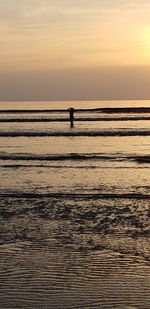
(74, 49)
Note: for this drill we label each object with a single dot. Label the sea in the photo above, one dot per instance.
(75, 205)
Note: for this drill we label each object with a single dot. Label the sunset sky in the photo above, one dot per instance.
(99, 49)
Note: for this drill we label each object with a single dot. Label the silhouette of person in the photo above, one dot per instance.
(71, 116)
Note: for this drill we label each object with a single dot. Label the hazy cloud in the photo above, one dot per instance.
(78, 84)
(42, 35)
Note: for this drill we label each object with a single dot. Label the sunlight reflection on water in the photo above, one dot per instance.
(74, 215)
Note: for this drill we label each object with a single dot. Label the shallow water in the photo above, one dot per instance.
(74, 210)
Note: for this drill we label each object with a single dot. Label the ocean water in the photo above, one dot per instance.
(75, 205)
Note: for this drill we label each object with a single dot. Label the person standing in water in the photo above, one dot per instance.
(71, 116)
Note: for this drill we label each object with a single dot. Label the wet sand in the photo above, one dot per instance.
(58, 253)
(74, 206)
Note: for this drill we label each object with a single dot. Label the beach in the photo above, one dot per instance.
(74, 205)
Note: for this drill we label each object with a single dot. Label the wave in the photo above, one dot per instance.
(32, 111)
(17, 166)
(74, 133)
(143, 159)
(79, 195)
(79, 167)
(87, 196)
(133, 118)
(63, 157)
(107, 110)
(73, 157)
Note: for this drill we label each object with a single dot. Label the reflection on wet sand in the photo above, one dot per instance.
(60, 254)
(41, 276)
(74, 210)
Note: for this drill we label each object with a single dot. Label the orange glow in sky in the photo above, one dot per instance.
(61, 34)
(39, 36)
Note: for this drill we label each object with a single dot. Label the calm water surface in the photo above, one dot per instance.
(74, 207)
